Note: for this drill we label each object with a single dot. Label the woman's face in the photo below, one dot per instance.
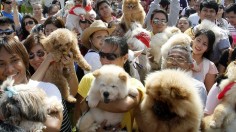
(183, 24)
(29, 24)
(12, 65)
(200, 44)
(114, 53)
(37, 9)
(49, 28)
(105, 10)
(98, 37)
(36, 56)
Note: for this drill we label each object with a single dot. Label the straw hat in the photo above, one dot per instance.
(97, 25)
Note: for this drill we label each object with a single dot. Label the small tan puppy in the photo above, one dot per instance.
(111, 83)
(171, 103)
(61, 43)
(224, 117)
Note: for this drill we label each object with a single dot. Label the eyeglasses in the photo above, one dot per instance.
(109, 56)
(177, 60)
(156, 21)
(8, 2)
(39, 53)
(29, 22)
(6, 32)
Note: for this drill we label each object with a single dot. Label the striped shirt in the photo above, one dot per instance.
(66, 124)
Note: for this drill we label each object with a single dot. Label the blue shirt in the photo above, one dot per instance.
(10, 15)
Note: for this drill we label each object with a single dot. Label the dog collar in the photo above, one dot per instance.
(144, 38)
(226, 89)
(87, 8)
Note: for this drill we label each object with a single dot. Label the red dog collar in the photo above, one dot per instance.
(144, 38)
(87, 8)
(226, 89)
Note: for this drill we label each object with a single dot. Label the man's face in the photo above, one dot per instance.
(159, 22)
(7, 5)
(6, 30)
(231, 17)
(208, 13)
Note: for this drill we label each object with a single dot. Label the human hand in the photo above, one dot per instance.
(67, 59)
(14, 4)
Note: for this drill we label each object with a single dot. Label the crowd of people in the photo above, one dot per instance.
(101, 35)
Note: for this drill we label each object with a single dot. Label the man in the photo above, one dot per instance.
(208, 11)
(180, 57)
(10, 10)
(159, 19)
(231, 17)
(7, 27)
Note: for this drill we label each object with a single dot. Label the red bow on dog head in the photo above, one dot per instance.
(144, 38)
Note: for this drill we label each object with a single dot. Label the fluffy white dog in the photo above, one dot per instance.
(111, 83)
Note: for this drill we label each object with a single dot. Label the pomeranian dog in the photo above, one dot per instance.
(62, 42)
(111, 83)
(132, 12)
(25, 106)
(171, 103)
(224, 117)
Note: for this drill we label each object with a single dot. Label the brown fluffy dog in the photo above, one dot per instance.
(62, 42)
(224, 117)
(171, 103)
(132, 12)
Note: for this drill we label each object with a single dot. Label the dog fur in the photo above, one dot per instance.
(62, 42)
(111, 83)
(171, 103)
(25, 106)
(132, 12)
(224, 117)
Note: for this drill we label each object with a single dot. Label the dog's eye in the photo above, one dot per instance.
(113, 86)
(103, 85)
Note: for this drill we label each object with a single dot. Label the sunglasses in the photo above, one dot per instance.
(156, 21)
(39, 53)
(8, 2)
(108, 56)
(29, 22)
(85, 21)
(6, 32)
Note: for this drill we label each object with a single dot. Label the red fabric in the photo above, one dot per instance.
(226, 88)
(87, 8)
(144, 38)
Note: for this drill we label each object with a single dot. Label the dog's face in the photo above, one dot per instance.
(130, 4)
(168, 93)
(112, 85)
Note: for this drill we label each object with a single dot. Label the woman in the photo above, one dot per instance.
(114, 50)
(183, 24)
(51, 24)
(202, 47)
(38, 13)
(14, 62)
(28, 22)
(104, 11)
(92, 39)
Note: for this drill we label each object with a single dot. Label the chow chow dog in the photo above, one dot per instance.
(171, 103)
(132, 12)
(25, 106)
(224, 117)
(61, 43)
(111, 83)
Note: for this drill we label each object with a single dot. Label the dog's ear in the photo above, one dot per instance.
(96, 73)
(178, 93)
(123, 76)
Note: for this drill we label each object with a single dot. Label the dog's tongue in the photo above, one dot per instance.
(106, 100)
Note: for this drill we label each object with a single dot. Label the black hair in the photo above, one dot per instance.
(209, 4)
(5, 20)
(121, 44)
(99, 2)
(24, 33)
(165, 3)
(56, 21)
(211, 40)
(55, 1)
(159, 11)
(230, 8)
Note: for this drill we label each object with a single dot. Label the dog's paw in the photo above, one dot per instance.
(213, 124)
(133, 92)
(71, 99)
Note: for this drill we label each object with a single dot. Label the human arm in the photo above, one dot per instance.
(174, 13)
(16, 18)
(209, 81)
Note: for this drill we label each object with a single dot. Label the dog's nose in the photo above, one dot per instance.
(105, 94)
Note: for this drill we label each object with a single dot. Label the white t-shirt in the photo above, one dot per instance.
(194, 18)
(93, 59)
(49, 88)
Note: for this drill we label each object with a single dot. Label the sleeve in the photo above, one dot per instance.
(93, 60)
(224, 58)
(85, 84)
(212, 100)
(212, 68)
(174, 13)
(154, 5)
(223, 44)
